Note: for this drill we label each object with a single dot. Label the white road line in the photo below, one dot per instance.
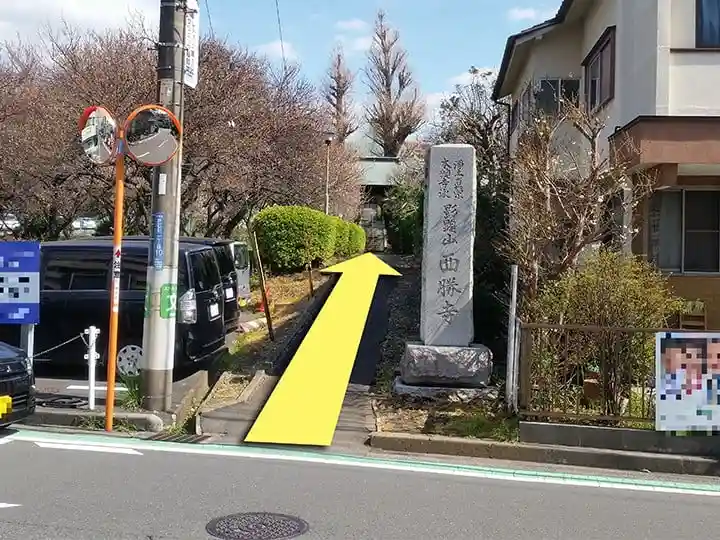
(7, 505)
(99, 388)
(89, 448)
(101, 444)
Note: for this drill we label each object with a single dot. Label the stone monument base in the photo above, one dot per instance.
(449, 367)
(462, 395)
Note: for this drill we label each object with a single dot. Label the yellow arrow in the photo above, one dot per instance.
(5, 405)
(305, 405)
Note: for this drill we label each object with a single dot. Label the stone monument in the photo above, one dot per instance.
(446, 361)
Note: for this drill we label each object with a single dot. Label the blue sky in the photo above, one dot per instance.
(443, 37)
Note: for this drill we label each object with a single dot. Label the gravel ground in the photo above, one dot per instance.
(404, 317)
(396, 414)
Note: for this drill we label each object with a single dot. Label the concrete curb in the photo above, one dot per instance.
(193, 398)
(540, 453)
(149, 421)
(76, 417)
(251, 326)
(258, 381)
(212, 420)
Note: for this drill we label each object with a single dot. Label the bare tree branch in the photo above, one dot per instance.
(336, 91)
(397, 111)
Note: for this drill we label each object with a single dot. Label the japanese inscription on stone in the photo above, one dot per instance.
(446, 317)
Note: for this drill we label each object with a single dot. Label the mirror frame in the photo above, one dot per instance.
(132, 117)
(85, 116)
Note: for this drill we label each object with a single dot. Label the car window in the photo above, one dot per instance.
(133, 275)
(182, 274)
(76, 270)
(225, 259)
(205, 270)
(242, 257)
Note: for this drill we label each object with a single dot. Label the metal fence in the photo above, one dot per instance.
(571, 373)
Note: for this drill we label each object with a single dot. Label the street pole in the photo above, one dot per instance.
(118, 221)
(328, 141)
(159, 330)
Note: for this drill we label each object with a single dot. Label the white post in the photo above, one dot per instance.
(516, 364)
(92, 357)
(27, 342)
(510, 378)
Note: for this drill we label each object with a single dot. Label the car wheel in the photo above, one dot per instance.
(129, 360)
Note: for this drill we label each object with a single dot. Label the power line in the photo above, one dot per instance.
(210, 24)
(280, 32)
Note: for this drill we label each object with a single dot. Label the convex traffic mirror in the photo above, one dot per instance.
(99, 135)
(152, 135)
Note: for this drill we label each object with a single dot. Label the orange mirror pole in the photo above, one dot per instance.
(115, 287)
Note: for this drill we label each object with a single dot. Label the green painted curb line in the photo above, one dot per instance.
(340, 459)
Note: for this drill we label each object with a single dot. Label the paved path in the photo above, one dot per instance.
(72, 487)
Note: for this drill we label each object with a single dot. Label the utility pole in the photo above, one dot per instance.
(162, 272)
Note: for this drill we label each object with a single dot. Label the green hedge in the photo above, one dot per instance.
(342, 238)
(291, 236)
(357, 239)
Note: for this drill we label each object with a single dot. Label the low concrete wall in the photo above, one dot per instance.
(632, 440)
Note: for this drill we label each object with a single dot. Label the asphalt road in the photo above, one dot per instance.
(152, 148)
(72, 487)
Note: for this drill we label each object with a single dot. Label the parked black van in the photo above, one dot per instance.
(226, 262)
(17, 382)
(226, 265)
(76, 277)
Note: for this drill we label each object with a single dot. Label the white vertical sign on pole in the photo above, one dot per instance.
(192, 44)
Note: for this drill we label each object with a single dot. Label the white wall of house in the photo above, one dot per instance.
(694, 76)
(637, 61)
(657, 70)
(551, 58)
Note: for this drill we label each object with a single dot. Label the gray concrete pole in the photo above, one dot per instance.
(159, 327)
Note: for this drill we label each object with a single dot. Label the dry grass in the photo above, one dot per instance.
(252, 351)
(288, 290)
(481, 420)
(227, 390)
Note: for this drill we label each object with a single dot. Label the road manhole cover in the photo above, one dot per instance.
(257, 526)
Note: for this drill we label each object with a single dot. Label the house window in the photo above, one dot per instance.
(685, 230)
(554, 93)
(600, 71)
(707, 24)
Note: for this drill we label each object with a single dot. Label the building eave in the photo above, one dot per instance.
(522, 37)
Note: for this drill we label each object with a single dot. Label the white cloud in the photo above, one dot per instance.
(435, 99)
(352, 25)
(361, 44)
(274, 50)
(432, 104)
(26, 18)
(354, 44)
(529, 14)
(466, 77)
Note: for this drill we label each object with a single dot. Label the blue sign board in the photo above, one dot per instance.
(19, 282)
(158, 228)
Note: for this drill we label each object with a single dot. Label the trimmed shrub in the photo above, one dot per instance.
(608, 291)
(342, 238)
(290, 237)
(356, 242)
